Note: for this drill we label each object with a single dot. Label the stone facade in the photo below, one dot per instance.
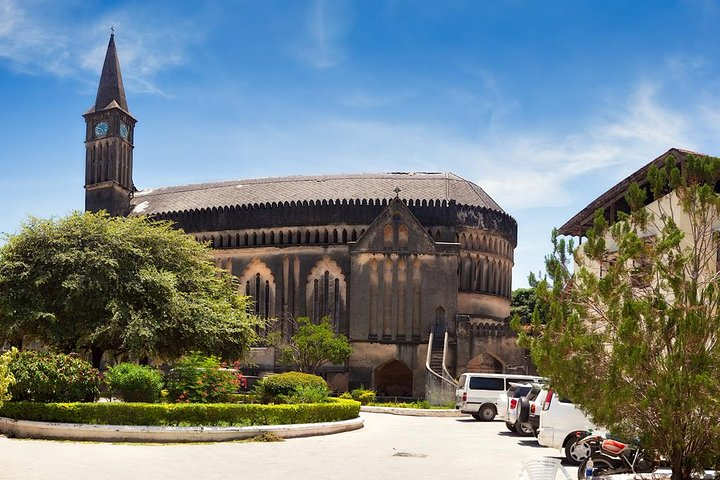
(389, 258)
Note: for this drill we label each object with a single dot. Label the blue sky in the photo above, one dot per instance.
(543, 104)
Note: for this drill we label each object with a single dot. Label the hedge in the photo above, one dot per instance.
(181, 414)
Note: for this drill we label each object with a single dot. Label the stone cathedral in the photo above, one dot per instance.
(391, 258)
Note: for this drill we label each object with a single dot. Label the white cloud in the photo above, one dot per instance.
(34, 42)
(325, 26)
(519, 169)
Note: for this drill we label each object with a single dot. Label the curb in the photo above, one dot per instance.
(412, 412)
(132, 433)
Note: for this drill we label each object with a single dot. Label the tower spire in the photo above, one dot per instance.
(111, 84)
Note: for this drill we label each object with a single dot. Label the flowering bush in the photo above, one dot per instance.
(6, 377)
(200, 379)
(135, 383)
(53, 377)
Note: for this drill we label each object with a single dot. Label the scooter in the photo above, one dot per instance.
(611, 456)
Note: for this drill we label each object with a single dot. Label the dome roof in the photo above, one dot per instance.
(417, 186)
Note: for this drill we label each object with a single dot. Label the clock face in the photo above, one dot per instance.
(124, 130)
(101, 129)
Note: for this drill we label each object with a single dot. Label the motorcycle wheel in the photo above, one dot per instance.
(601, 464)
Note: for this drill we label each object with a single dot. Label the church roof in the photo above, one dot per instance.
(111, 87)
(417, 186)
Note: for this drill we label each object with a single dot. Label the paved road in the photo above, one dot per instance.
(389, 447)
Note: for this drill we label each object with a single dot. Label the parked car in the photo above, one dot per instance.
(508, 401)
(529, 410)
(521, 396)
(560, 422)
(477, 393)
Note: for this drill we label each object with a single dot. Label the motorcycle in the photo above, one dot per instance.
(612, 456)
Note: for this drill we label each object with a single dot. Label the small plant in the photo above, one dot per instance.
(135, 383)
(278, 388)
(363, 395)
(53, 377)
(197, 378)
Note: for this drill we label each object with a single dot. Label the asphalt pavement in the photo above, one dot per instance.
(388, 447)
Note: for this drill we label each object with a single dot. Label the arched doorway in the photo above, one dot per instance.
(485, 363)
(393, 379)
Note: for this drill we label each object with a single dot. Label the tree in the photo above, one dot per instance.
(313, 345)
(633, 334)
(522, 304)
(132, 285)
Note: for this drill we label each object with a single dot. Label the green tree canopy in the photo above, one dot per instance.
(522, 304)
(89, 281)
(633, 335)
(313, 345)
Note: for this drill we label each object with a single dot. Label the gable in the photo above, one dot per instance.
(395, 229)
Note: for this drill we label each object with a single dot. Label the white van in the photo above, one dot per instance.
(477, 393)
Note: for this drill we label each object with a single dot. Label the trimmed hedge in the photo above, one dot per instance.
(181, 414)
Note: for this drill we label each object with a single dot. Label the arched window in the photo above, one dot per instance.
(260, 285)
(326, 291)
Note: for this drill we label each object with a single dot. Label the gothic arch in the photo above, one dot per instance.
(393, 378)
(403, 236)
(326, 291)
(258, 282)
(388, 236)
(486, 362)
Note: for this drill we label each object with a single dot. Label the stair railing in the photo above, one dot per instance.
(427, 362)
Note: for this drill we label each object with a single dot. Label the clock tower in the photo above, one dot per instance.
(109, 134)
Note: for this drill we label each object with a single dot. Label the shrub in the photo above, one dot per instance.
(135, 383)
(6, 376)
(279, 387)
(53, 377)
(181, 414)
(200, 379)
(308, 394)
(363, 396)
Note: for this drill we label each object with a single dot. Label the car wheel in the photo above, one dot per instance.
(575, 453)
(520, 429)
(510, 426)
(487, 413)
(476, 416)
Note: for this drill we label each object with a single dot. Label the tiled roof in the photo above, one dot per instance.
(413, 186)
(582, 220)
